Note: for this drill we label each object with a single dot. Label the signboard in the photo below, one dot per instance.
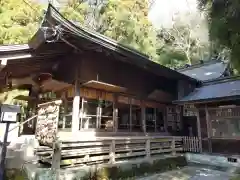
(9, 117)
(189, 110)
(98, 94)
(47, 122)
(225, 112)
(152, 104)
(91, 94)
(9, 113)
(123, 99)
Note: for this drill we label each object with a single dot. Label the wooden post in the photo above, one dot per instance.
(208, 130)
(76, 104)
(155, 119)
(115, 114)
(199, 131)
(65, 104)
(81, 112)
(143, 116)
(130, 116)
(148, 148)
(112, 152)
(173, 146)
(98, 118)
(165, 120)
(56, 158)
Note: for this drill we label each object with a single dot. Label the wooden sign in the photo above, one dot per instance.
(123, 100)
(136, 102)
(91, 94)
(227, 112)
(47, 123)
(189, 110)
(151, 104)
(128, 100)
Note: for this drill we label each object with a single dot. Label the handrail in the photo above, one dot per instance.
(24, 122)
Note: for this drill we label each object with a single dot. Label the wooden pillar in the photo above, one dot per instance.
(130, 116)
(115, 113)
(199, 131)
(148, 149)
(165, 119)
(76, 104)
(209, 129)
(65, 104)
(112, 152)
(56, 157)
(155, 119)
(173, 147)
(143, 116)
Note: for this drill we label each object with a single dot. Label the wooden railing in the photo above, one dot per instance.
(110, 150)
(192, 144)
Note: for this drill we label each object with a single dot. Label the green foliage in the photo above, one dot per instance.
(125, 21)
(224, 29)
(185, 42)
(75, 11)
(18, 22)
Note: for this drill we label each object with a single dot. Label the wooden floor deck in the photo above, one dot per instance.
(113, 149)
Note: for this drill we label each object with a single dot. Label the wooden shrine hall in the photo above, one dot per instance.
(106, 88)
(84, 86)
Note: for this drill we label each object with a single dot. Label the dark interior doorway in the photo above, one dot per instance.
(190, 126)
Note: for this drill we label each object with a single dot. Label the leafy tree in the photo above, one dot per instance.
(76, 11)
(185, 42)
(224, 29)
(125, 21)
(18, 22)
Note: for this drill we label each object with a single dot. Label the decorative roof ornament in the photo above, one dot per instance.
(52, 34)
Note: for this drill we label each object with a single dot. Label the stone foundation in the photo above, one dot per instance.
(123, 170)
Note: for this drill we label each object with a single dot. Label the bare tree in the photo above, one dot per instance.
(189, 34)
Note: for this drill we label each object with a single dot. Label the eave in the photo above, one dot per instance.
(71, 31)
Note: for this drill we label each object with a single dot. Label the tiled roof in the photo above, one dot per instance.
(205, 72)
(217, 90)
(79, 32)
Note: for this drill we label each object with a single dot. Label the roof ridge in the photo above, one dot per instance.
(109, 43)
(221, 80)
(198, 65)
(90, 31)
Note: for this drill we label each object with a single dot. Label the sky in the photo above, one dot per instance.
(162, 11)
